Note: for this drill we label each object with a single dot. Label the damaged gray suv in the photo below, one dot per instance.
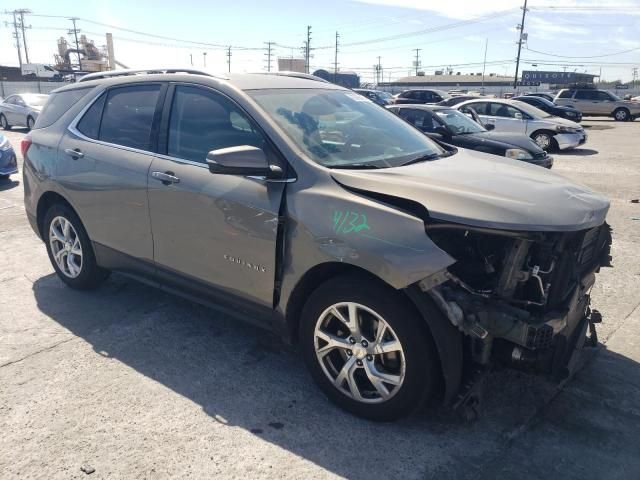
(402, 268)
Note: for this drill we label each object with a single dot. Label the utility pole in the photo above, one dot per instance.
(16, 35)
(520, 40)
(268, 54)
(191, 58)
(21, 12)
(484, 63)
(75, 34)
(307, 50)
(335, 60)
(417, 50)
(379, 71)
(229, 57)
(204, 59)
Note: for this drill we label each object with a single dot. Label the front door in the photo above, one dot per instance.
(219, 230)
(506, 118)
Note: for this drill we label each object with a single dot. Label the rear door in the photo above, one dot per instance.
(588, 102)
(9, 109)
(219, 230)
(103, 164)
(506, 118)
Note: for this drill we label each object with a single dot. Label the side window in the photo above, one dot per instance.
(418, 118)
(18, 101)
(9, 101)
(604, 96)
(436, 98)
(128, 115)
(586, 95)
(480, 108)
(566, 94)
(502, 110)
(202, 121)
(89, 125)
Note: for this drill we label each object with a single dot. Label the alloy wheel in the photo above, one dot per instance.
(65, 247)
(543, 141)
(359, 352)
(621, 115)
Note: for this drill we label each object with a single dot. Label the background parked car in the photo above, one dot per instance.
(420, 96)
(376, 96)
(598, 103)
(21, 110)
(545, 105)
(547, 131)
(456, 128)
(546, 96)
(8, 163)
(450, 102)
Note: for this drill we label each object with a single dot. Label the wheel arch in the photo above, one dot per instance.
(617, 109)
(551, 133)
(45, 202)
(447, 338)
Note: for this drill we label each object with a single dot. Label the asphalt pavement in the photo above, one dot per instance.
(130, 382)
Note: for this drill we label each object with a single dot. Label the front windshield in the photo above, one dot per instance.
(615, 97)
(385, 95)
(530, 110)
(458, 122)
(35, 100)
(341, 129)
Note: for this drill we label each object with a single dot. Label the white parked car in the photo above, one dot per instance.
(548, 131)
(21, 110)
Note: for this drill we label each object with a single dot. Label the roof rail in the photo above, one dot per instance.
(123, 73)
(306, 76)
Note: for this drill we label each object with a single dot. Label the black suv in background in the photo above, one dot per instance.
(551, 108)
(420, 96)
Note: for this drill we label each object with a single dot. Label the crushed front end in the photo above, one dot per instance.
(520, 298)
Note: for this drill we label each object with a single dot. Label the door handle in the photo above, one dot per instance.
(75, 154)
(167, 178)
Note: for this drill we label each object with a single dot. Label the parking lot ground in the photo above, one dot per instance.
(136, 383)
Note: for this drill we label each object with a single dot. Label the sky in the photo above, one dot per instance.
(572, 35)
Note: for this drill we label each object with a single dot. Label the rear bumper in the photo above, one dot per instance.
(570, 140)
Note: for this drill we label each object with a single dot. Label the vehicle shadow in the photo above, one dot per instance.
(8, 184)
(244, 377)
(578, 152)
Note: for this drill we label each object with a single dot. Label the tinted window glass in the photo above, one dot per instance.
(419, 118)
(586, 95)
(58, 104)
(604, 96)
(90, 122)
(128, 115)
(480, 108)
(566, 94)
(202, 121)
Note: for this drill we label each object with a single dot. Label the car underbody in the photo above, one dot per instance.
(520, 298)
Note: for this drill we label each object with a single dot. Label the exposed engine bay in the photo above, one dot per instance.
(522, 298)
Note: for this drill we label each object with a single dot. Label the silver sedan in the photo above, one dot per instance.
(21, 110)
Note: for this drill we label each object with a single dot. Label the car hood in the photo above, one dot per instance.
(562, 121)
(506, 140)
(482, 190)
(565, 108)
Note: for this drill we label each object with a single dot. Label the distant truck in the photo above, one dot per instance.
(40, 70)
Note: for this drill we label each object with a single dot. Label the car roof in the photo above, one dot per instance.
(242, 81)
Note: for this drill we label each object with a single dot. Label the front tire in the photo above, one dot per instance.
(544, 140)
(70, 250)
(30, 123)
(621, 115)
(3, 123)
(367, 348)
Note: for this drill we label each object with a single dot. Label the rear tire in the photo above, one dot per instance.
(384, 369)
(3, 123)
(621, 115)
(30, 122)
(70, 250)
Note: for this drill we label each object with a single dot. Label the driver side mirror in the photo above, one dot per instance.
(518, 116)
(442, 130)
(489, 126)
(242, 160)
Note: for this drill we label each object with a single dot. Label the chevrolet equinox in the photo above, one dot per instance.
(402, 268)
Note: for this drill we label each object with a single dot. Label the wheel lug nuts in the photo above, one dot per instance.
(352, 340)
(349, 352)
(369, 358)
(359, 362)
(365, 343)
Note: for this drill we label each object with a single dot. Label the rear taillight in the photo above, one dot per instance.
(24, 145)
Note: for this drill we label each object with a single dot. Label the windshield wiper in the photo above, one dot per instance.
(426, 158)
(355, 166)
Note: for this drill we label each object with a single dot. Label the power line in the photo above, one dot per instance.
(590, 56)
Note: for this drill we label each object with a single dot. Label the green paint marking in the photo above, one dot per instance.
(357, 222)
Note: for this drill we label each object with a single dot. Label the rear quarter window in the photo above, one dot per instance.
(58, 104)
(566, 94)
